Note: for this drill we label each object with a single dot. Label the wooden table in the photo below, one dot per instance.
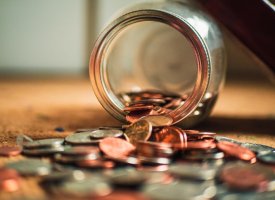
(244, 111)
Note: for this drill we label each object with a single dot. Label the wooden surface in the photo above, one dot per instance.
(244, 111)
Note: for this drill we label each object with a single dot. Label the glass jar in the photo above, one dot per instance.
(167, 46)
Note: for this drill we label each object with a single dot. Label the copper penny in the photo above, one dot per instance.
(116, 147)
(9, 180)
(236, 150)
(81, 150)
(140, 130)
(243, 178)
(154, 149)
(159, 120)
(96, 164)
(10, 150)
(123, 195)
(134, 116)
(172, 135)
(201, 145)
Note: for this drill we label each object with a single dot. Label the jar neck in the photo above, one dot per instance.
(98, 74)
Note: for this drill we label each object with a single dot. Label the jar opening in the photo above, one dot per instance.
(157, 53)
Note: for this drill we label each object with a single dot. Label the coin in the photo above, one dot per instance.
(193, 171)
(134, 116)
(172, 135)
(159, 120)
(43, 151)
(52, 142)
(9, 180)
(116, 147)
(202, 155)
(242, 177)
(257, 148)
(10, 150)
(101, 164)
(103, 133)
(268, 157)
(140, 130)
(201, 145)
(154, 149)
(30, 167)
(129, 160)
(226, 139)
(154, 160)
(123, 195)
(67, 159)
(236, 150)
(81, 138)
(81, 150)
(135, 107)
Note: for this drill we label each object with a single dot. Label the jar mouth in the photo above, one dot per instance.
(98, 72)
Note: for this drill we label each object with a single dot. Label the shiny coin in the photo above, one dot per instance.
(201, 145)
(159, 120)
(172, 135)
(74, 159)
(101, 164)
(236, 150)
(257, 148)
(52, 142)
(136, 115)
(268, 157)
(81, 138)
(193, 171)
(103, 133)
(242, 177)
(43, 151)
(87, 188)
(140, 130)
(154, 161)
(10, 150)
(116, 147)
(30, 167)
(129, 160)
(9, 180)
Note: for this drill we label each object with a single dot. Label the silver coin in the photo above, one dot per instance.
(103, 133)
(84, 130)
(128, 178)
(154, 161)
(202, 155)
(193, 171)
(81, 138)
(268, 157)
(257, 148)
(43, 151)
(180, 191)
(30, 167)
(130, 160)
(52, 142)
(226, 139)
(87, 188)
(21, 139)
(74, 159)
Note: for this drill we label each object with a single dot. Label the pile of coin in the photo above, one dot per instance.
(148, 159)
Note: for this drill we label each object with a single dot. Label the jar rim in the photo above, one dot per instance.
(97, 68)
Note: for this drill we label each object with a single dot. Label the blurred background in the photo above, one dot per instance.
(53, 37)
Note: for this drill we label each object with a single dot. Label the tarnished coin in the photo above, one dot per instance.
(81, 138)
(9, 180)
(103, 133)
(43, 151)
(6, 150)
(30, 167)
(159, 120)
(52, 142)
(242, 177)
(81, 150)
(257, 148)
(268, 157)
(127, 178)
(116, 147)
(140, 130)
(236, 150)
(193, 171)
(87, 188)
(226, 139)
